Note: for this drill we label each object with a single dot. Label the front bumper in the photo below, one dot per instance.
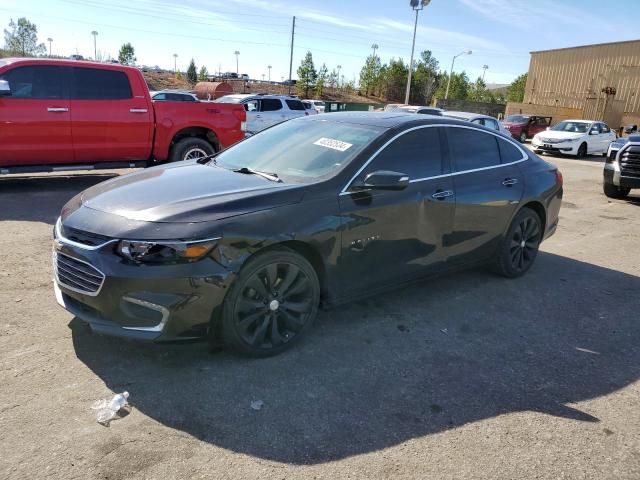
(567, 148)
(141, 301)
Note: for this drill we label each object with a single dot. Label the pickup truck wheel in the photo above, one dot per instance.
(523, 137)
(191, 149)
(612, 191)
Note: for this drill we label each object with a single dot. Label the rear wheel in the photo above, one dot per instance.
(523, 136)
(612, 191)
(191, 148)
(582, 150)
(520, 245)
(271, 304)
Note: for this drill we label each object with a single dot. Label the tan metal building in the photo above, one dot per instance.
(602, 81)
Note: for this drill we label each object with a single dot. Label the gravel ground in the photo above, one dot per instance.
(467, 376)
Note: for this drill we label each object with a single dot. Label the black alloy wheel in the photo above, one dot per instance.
(520, 246)
(582, 150)
(271, 304)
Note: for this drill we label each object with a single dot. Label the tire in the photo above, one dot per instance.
(523, 137)
(582, 150)
(272, 303)
(538, 152)
(519, 247)
(190, 149)
(613, 191)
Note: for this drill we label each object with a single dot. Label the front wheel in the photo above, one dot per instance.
(271, 304)
(612, 191)
(582, 151)
(519, 247)
(523, 136)
(191, 148)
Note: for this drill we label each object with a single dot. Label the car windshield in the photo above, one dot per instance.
(230, 99)
(573, 127)
(320, 104)
(300, 151)
(516, 119)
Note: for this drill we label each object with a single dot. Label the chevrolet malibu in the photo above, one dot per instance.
(244, 247)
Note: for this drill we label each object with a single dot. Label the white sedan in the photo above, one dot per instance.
(575, 137)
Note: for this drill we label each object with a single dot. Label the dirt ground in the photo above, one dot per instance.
(463, 377)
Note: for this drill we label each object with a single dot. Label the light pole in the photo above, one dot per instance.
(338, 79)
(417, 5)
(269, 67)
(374, 47)
(95, 48)
(466, 52)
(263, 77)
(175, 63)
(49, 40)
(484, 70)
(237, 54)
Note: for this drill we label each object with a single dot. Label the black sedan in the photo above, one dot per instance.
(244, 247)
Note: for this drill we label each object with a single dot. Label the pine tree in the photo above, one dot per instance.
(192, 72)
(307, 75)
(204, 74)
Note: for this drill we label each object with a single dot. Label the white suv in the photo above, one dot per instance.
(266, 110)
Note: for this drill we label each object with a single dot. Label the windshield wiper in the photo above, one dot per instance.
(269, 176)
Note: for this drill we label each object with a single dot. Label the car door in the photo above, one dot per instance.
(488, 187)
(108, 122)
(35, 124)
(271, 112)
(390, 236)
(254, 118)
(537, 125)
(594, 139)
(607, 136)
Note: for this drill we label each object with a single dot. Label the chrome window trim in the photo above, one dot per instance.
(152, 306)
(525, 157)
(59, 237)
(69, 287)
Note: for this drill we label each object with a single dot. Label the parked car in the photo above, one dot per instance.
(289, 82)
(622, 167)
(174, 96)
(318, 104)
(421, 110)
(266, 110)
(478, 118)
(230, 75)
(244, 76)
(574, 137)
(526, 126)
(246, 246)
(63, 114)
(310, 107)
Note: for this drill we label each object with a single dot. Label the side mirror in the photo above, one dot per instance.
(5, 89)
(383, 180)
(594, 132)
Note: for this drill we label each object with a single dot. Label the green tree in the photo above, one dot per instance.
(203, 74)
(370, 74)
(425, 79)
(332, 79)
(22, 38)
(192, 72)
(127, 54)
(515, 92)
(478, 91)
(459, 89)
(393, 80)
(307, 75)
(320, 81)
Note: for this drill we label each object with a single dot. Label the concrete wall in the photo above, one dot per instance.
(493, 109)
(558, 113)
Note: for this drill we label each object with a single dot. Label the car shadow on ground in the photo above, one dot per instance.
(410, 363)
(45, 195)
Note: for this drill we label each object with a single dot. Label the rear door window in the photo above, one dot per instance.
(295, 104)
(508, 151)
(471, 149)
(100, 84)
(270, 105)
(38, 82)
(417, 154)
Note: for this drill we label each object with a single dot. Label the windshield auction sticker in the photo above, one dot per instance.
(333, 144)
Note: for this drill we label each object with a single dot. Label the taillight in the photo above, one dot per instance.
(559, 178)
(240, 114)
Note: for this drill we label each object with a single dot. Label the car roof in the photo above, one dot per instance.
(465, 115)
(385, 119)
(168, 90)
(580, 120)
(67, 62)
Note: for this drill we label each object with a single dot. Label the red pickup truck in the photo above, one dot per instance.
(66, 115)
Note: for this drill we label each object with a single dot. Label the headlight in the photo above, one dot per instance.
(165, 252)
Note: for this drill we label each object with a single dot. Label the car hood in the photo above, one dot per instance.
(556, 135)
(187, 192)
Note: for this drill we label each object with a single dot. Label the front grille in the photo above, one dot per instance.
(630, 162)
(85, 238)
(77, 275)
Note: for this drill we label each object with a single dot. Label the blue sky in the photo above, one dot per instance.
(338, 32)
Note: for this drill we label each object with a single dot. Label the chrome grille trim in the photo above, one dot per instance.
(77, 275)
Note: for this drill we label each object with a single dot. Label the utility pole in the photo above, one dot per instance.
(484, 68)
(338, 80)
(237, 54)
(293, 32)
(95, 48)
(374, 47)
(49, 40)
(175, 63)
(269, 67)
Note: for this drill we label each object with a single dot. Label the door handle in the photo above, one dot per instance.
(57, 109)
(509, 181)
(138, 110)
(442, 194)
(258, 116)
